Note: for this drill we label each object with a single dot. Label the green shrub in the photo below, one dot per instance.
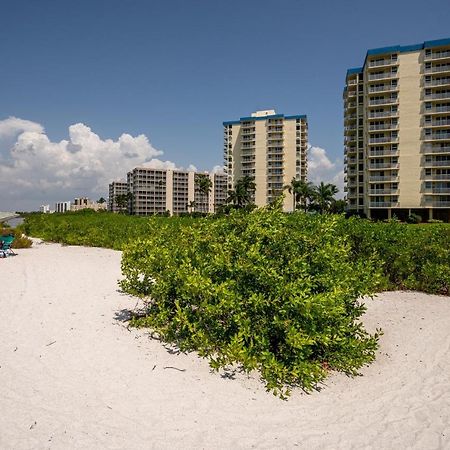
(258, 290)
(20, 241)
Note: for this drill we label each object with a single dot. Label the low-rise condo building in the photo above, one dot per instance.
(164, 191)
(397, 132)
(271, 148)
(62, 207)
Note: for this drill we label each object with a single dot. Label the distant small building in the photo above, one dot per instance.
(85, 203)
(117, 188)
(45, 209)
(61, 207)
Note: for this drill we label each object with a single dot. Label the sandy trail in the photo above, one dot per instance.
(73, 376)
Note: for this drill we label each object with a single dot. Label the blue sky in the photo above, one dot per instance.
(174, 70)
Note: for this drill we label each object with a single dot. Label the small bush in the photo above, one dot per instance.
(20, 241)
(257, 290)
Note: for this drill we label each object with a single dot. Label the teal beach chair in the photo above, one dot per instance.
(6, 245)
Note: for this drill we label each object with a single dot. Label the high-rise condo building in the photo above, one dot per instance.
(158, 191)
(397, 132)
(271, 148)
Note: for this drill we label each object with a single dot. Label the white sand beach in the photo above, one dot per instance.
(73, 376)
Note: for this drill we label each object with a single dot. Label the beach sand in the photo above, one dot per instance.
(73, 376)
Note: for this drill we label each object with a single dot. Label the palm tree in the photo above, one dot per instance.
(324, 196)
(204, 185)
(191, 206)
(242, 193)
(302, 193)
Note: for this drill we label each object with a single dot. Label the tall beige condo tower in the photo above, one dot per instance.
(397, 132)
(271, 148)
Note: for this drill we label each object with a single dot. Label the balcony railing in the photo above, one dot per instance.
(383, 62)
(378, 115)
(437, 109)
(437, 190)
(384, 126)
(430, 148)
(436, 69)
(386, 165)
(383, 191)
(437, 137)
(383, 101)
(437, 203)
(383, 140)
(437, 96)
(438, 55)
(382, 76)
(387, 152)
(387, 88)
(441, 82)
(444, 163)
(383, 204)
(436, 176)
(438, 123)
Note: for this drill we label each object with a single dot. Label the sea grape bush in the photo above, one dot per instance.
(258, 290)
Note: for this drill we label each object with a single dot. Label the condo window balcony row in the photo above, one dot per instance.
(436, 175)
(390, 165)
(273, 129)
(382, 76)
(383, 101)
(441, 54)
(436, 82)
(436, 148)
(439, 122)
(383, 88)
(437, 95)
(381, 62)
(431, 189)
(383, 139)
(250, 137)
(383, 178)
(383, 114)
(377, 126)
(442, 202)
(438, 162)
(386, 203)
(437, 108)
(384, 151)
(438, 135)
(437, 68)
(384, 191)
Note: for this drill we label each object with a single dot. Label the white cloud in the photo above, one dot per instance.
(218, 170)
(321, 168)
(34, 169)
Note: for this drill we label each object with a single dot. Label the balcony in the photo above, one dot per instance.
(437, 190)
(384, 204)
(385, 165)
(388, 88)
(383, 178)
(437, 96)
(438, 204)
(437, 109)
(436, 176)
(384, 126)
(383, 101)
(438, 123)
(383, 140)
(380, 115)
(387, 152)
(350, 105)
(383, 62)
(440, 163)
(382, 76)
(443, 54)
(388, 191)
(439, 82)
(436, 148)
(438, 69)
(437, 137)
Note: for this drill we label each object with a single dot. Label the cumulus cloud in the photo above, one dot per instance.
(321, 168)
(35, 169)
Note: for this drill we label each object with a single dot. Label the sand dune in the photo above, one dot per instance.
(73, 376)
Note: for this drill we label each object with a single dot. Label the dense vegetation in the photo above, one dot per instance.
(20, 241)
(263, 290)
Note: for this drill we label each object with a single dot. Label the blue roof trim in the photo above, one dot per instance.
(406, 48)
(354, 70)
(273, 116)
(436, 43)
